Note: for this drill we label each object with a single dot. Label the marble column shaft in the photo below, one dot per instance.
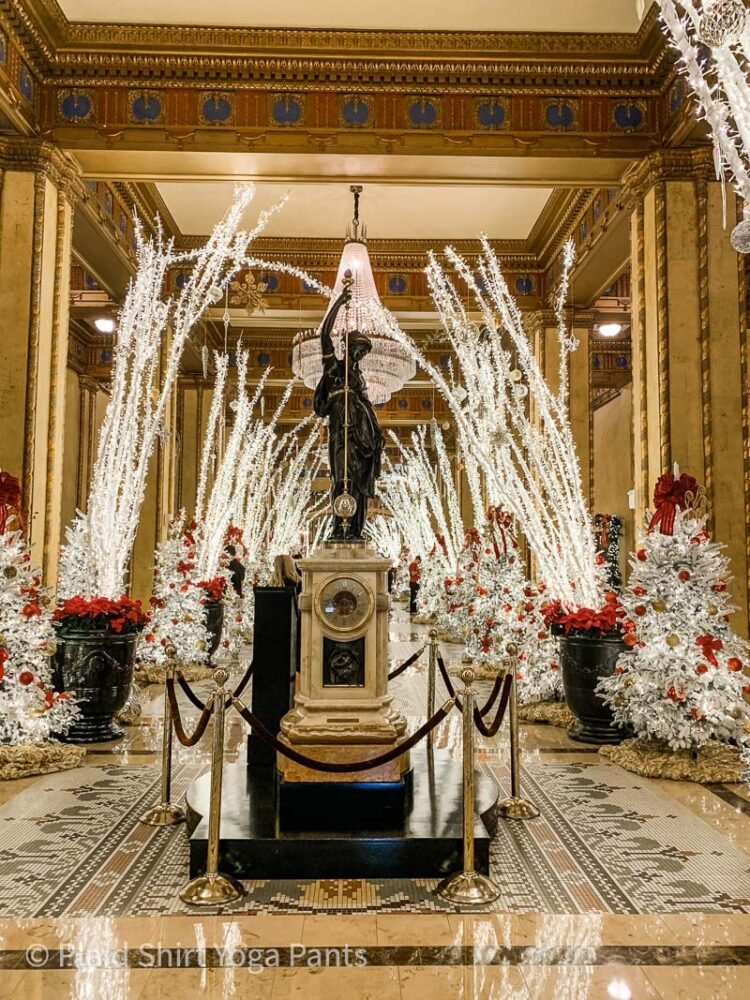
(38, 185)
(690, 403)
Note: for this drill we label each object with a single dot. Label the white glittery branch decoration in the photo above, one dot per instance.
(151, 337)
(530, 467)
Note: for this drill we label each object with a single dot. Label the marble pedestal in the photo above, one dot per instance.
(342, 710)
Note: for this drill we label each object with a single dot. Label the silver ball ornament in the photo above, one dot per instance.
(723, 22)
(740, 238)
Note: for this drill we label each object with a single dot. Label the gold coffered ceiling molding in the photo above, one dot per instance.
(594, 41)
(395, 15)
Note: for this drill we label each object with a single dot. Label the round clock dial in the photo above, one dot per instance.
(344, 604)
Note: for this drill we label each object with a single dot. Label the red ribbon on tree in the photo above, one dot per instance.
(710, 647)
(440, 539)
(669, 497)
(504, 523)
(10, 499)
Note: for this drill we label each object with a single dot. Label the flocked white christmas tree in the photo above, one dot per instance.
(683, 680)
(177, 611)
(30, 710)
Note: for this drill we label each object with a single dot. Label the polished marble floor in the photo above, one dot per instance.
(383, 955)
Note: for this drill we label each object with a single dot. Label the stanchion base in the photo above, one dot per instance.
(210, 890)
(468, 889)
(164, 815)
(517, 809)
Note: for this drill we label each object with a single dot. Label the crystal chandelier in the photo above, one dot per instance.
(387, 367)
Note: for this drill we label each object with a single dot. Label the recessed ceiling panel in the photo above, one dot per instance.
(390, 211)
(428, 15)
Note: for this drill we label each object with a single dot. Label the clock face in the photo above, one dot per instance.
(344, 604)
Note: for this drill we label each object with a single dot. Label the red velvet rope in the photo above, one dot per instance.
(408, 663)
(329, 767)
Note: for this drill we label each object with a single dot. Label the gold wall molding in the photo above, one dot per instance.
(662, 305)
(705, 344)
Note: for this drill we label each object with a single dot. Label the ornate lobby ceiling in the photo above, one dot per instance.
(438, 15)
(390, 210)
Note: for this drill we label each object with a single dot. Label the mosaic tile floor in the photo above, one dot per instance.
(624, 887)
(604, 843)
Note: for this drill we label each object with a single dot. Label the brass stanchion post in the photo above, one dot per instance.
(515, 807)
(431, 672)
(213, 887)
(468, 887)
(166, 813)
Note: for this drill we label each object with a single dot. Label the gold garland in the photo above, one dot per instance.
(452, 638)
(27, 759)
(553, 713)
(155, 673)
(715, 763)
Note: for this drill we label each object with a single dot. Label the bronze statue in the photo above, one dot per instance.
(358, 472)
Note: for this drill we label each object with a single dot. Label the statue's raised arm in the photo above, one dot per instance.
(326, 327)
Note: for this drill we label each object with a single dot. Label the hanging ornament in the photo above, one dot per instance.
(723, 22)
(214, 294)
(520, 391)
(672, 640)
(740, 238)
(204, 360)
(516, 375)
(659, 606)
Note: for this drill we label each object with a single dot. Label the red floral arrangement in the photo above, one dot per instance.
(234, 537)
(214, 588)
(124, 616)
(606, 621)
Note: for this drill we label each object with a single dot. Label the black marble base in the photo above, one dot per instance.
(351, 805)
(427, 845)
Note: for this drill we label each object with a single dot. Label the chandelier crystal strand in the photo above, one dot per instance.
(388, 367)
(530, 468)
(719, 83)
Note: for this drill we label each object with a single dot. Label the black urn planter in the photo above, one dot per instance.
(97, 666)
(214, 624)
(585, 660)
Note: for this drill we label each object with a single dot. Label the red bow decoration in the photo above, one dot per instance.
(440, 539)
(604, 537)
(504, 523)
(710, 647)
(10, 499)
(669, 497)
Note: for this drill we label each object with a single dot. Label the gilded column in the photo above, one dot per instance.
(39, 184)
(688, 344)
(547, 352)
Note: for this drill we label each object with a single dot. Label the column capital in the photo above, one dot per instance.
(541, 319)
(41, 157)
(680, 164)
(546, 319)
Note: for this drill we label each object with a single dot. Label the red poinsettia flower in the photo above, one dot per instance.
(92, 613)
(587, 621)
(214, 588)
